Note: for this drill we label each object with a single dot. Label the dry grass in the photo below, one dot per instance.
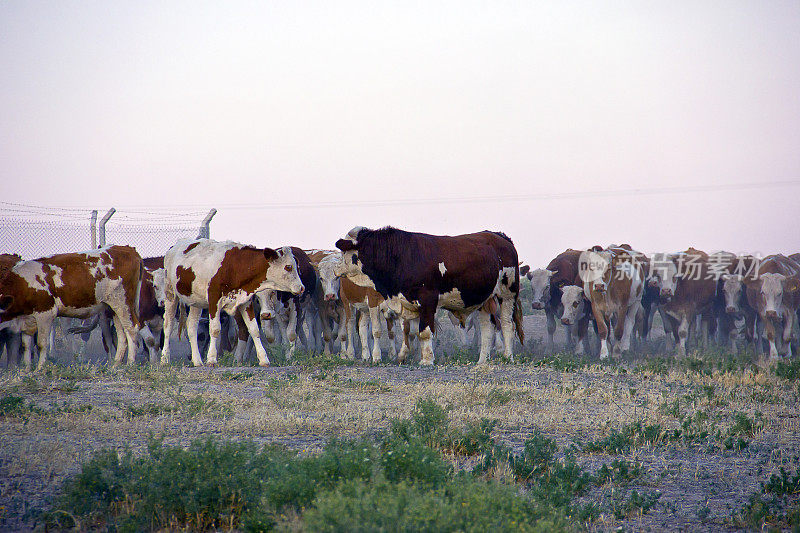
(68, 413)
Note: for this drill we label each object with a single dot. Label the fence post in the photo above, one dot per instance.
(103, 226)
(93, 228)
(205, 230)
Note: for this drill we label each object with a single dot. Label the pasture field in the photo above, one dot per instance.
(709, 442)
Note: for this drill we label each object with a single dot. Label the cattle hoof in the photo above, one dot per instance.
(263, 363)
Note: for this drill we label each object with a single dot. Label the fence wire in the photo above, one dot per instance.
(32, 231)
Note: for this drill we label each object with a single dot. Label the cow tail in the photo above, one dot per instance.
(181, 320)
(518, 318)
(137, 297)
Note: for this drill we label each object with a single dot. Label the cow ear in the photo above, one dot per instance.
(5, 301)
(725, 277)
(792, 285)
(345, 245)
(524, 269)
(596, 248)
(270, 254)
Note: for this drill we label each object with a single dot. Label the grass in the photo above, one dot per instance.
(653, 435)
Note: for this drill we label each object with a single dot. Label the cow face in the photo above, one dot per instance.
(328, 278)
(732, 291)
(282, 274)
(351, 265)
(267, 302)
(770, 294)
(574, 303)
(540, 286)
(159, 286)
(598, 276)
(664, 275)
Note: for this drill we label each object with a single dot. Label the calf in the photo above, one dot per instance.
(687, 292)
(417, 273)
(298, 307)
(222, 276)
(775, 294)
(613, 285)
(369, 306)
(735, 298)
(76, 285)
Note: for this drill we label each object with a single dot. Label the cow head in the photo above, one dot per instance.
(282, 274)
(574, 302)
(328, 278)
(351, 265)
(595, 270)
(540, 286)
(159, 285)
(732, 291)
(772, 289)
(664, 275)
(267, 302)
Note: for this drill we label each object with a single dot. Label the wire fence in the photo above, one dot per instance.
(36, 231)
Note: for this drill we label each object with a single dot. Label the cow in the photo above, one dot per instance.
(418, 272)
(775, 294)
(368, 306)
(687, 292)
(222, 276)
(150, 312)
(14, 334)
(76, 285)
(327, 294)
(293, 309)
(613, 283)
(735, 298)
(576, 315)
(561, 272)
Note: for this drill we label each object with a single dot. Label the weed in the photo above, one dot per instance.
(11, 405)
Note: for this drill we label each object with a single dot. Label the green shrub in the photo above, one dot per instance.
(463, 505)
(631, 435)
(412, 460)
(11, 405)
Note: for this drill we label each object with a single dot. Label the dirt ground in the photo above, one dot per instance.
(73, 410)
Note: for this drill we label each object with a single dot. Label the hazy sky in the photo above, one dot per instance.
(240, 105)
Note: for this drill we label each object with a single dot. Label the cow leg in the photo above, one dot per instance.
(405, 348)
(27, 349)
(628, 322)
(376, 318)
(108, 337)
(192, 324)
(487, 330)
(327, 334)
(684, 328)
(390, 337)
(248, 316)
(507, 327)
(170, 308)
(242, 334)
(44, 325)
(427, 327)
(214, 331)
(149, 342)
(551, 328)
(122, 342)
(363, 333)
(350, 329)
(788, 326)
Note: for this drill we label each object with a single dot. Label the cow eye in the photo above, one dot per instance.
(288, 268)
(574, 304)
(355, 259)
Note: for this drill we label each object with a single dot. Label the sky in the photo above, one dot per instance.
(300, 120)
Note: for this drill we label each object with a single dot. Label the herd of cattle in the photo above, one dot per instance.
(379, 278)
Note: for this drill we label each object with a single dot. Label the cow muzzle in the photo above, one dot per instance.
(771, 314)
(731, 310)
(330, 297)
(666, 294)
(267, 315)
(566, 321)
(537, 305)
(298, 289)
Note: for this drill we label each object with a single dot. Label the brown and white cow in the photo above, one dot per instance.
(775, 294)
(613, 283)
(368, 305)
(418, 272)
(76, 285)
(326, 296)
(291, 310)
(687, 292)
(561, 272)
(735, 298)
(222, 276)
